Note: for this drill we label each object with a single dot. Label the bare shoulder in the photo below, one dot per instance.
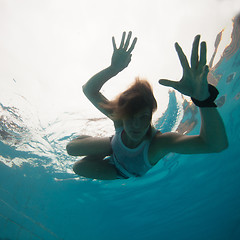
(165, 143)
(118, 124)
(161, 146)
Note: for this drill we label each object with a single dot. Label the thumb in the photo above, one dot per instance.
(167, 83)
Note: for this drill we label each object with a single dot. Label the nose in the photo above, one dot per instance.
(136, 123)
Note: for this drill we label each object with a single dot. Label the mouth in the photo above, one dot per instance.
(135, 132)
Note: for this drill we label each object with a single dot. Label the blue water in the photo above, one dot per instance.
(184, 197)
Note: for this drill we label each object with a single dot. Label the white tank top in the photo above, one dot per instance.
(131, 162)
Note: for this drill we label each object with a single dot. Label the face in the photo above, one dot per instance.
(137, 125)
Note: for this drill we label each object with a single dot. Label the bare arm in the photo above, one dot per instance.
(120, 59)
(92, 88)
(212, 136)
(213, 131)
(86, 145)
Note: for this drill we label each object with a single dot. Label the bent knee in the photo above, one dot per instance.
(87, 166)
(90, 167)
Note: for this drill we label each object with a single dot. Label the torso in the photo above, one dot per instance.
(154, 153)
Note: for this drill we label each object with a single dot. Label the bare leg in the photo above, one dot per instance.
(96, 168)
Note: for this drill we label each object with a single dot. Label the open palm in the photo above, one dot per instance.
(194, 80)
(122, 56)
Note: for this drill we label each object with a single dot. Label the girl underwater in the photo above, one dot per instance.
(137, 146)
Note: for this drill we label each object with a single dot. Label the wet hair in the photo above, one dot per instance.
(138, 96)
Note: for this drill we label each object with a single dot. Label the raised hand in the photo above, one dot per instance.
(122, 56)
(194, 80)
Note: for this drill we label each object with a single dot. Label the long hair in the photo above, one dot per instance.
(132, 100)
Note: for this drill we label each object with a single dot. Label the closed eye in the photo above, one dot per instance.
(146, 117)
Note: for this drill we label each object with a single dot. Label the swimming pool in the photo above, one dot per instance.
(183, 197)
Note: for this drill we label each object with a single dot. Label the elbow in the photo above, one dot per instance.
(86, 90)
(224, 144)
(77, 147)
(224, 147)
(71, 150)
(221, 147)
